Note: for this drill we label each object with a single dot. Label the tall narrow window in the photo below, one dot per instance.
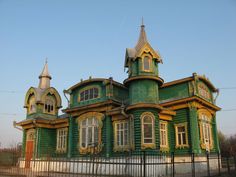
(163, 135)
(61, 139)
(205, 130)
(147, 123)
(121, 135)
(89, 132)
(32, 105)
(49, 106)
(181, 135)
(146, 63)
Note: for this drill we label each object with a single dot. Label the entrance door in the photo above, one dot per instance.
(29, 148)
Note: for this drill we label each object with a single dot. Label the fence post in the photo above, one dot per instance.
(219, 160)
(144, 163)
(193, 165)
(208, 164)
(228, 166)
(173, 163)
(235, 163)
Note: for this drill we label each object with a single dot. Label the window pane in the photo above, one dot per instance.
(146, 64)
(147, 140)
(86, 95)
(83, 137)
(184, 138)
(95, 92)
(179, 139)
(147, 119)
(147, 130)
(181, 129)
(82, 96)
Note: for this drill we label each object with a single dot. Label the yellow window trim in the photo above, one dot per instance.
(164, 148)
(62, 150)
(201, 123)
(99, 117)
(148, 145)
(117, 148)
(150, 63)
(177, 145)
(87, 88)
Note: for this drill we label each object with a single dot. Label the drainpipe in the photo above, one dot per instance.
(130, 126)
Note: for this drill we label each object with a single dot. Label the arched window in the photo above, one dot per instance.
(88, 94)
(146, 63)
(90, 132)
(148, 132)
(32, 105)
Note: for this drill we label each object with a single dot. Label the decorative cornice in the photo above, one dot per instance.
(106, 103)
(144, 105)
(181, 103)
(158, 79)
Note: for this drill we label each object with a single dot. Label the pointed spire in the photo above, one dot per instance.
(142, 37)
(44, 78)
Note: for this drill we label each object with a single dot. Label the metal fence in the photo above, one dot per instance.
(127, 164)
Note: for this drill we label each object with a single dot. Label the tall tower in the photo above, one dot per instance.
(143, 84)
(143, 76)
(43, 101)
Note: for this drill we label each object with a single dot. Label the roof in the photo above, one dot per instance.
(193, 77)
(142, 44)
(91, 80)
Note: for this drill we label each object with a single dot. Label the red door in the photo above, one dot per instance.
(29, 152)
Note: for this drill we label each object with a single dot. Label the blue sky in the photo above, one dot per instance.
(88, 38)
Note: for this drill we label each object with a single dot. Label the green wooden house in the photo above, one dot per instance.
(107, 117)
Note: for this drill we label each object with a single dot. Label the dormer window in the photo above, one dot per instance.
(49, 106)
(146, 63)
(88, 94)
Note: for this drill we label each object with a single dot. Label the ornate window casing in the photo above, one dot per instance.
(32, 105)
(205, 126)
(89, 93)
(148, 131)
(164, 145)
(181, 135)
(30, 135)
(147, 63)
(49, 106)
(121, 135)
(203, 91)
(90, 132)
(62, 134)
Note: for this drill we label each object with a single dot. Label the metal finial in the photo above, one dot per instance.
(142, 22)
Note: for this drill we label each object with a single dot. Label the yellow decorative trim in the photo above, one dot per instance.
(30, 92)
(52, 99)
(62, 150)
(117, 148)
(148, 49)
(164, 148)
(148, 145)
(99, 117)
(87, 88)
(54, 93)
(177, 145)
(144, 105)
(208, 122)
(158, 79)
(150, 63)
(30, 135)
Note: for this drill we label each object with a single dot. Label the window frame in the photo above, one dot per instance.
(124, 147)
(88, 90)
(205, 121)
(32, 104)
(151, 145)
(181, 144)
(149, 63)
(62, 140)
(52, 105)
(164, 147)
(79, 120)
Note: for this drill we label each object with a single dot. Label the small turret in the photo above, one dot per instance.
(44, 78)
